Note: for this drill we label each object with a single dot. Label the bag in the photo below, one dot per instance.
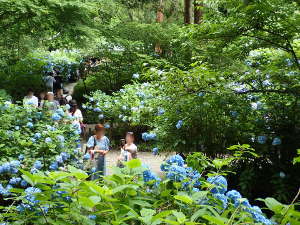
(87, 148)
(91, 162)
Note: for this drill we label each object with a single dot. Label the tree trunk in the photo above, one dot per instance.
(187, 11)
(198, 14)
(159, 19)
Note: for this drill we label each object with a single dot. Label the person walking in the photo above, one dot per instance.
(98, 147)
(76, 113)
(49, 81)
(30, 99)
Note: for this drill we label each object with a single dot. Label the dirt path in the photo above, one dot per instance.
(70, 87)
(148, 158)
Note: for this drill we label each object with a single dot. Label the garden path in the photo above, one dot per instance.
(147, 158)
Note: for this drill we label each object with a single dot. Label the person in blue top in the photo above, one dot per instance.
(98, 146)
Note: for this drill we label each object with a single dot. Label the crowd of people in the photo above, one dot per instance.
(98, 144)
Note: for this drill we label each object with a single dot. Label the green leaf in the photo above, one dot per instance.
(274, 205)
(181, 218)
(184, 198)
(123, 187)
(135, 163)
(79, 174)
(147, 212)
(198, 213)
(95, 199)
(214, 220)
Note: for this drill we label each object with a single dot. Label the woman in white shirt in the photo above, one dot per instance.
(77, 115)
(129, 150)
(30, 99)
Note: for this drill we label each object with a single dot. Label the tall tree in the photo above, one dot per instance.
(159, 19)
(198, 14)
(187, 11)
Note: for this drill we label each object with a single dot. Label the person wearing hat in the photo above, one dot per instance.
(76, 113)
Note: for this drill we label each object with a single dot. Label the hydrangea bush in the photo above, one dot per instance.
(207, 110)
(34, 140)
(136, 195)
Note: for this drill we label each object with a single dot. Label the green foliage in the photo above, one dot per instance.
(124, 198)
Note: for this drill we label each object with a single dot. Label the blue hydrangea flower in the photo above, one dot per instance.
(17, 127)
(276, 141)
(34, 170)
(234, 113)
(30, 194)
(124, 107)
(97, 109)
(201, 94)
(59, 159)
(60, 112)
(15, 163)
(48, 140)
(3, 191)
(53, 166)
(84, 106)
(50, 128)
(149, 176)
(15, 180)
(60, 138)
(256, 105)
(37, 164)
(155, 151)
(101, 116)
(56, 117)
(91, 99)
(234, 195)
(86, 156)
(148, 136)
(176, 159)
(135, 76)
(106, 125)
(266, 83)
(37, 135)
(23, 207)
(165, 167)
(92, 217)
(65, 156)
(220, 183)
(33, 140)
(29, 124)
(93, 170)
(176, 173)
(160, 112)
(194, 176)
(196, 189)
(21, 157)
(23, 183)
(179, 124)
(261, 139)
(223, 198)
